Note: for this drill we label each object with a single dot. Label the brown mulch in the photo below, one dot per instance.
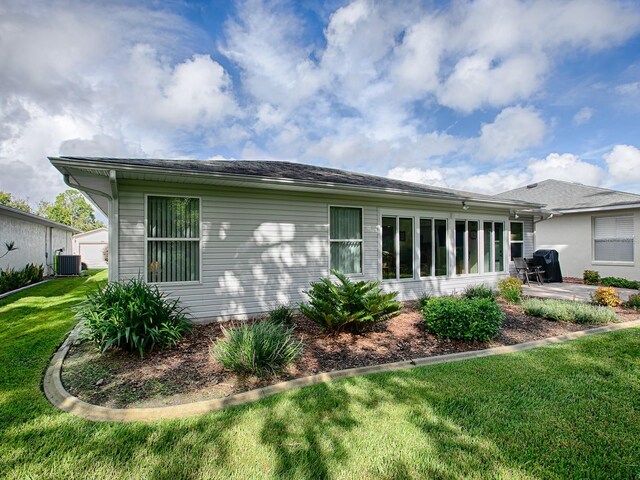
(573, 280)
(188, 373)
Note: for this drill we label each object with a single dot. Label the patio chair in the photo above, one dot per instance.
(527, 271)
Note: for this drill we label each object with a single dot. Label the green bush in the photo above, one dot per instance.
(260, 348)
(633, 301)
(606, 296)
(568, 311)
(463, 318)
(510, 289)
(11, 279)
(478, 291)
(133, 316)
(590, 277)
(282, 314)
(620, 283)
(355, 306)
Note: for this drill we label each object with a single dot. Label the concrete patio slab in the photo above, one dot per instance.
(569, 291)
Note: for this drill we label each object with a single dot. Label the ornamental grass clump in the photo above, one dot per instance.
(510, 289)
(347, 305)
(11, 279)
(478, 291)
(133, 316)
(568, 311)
(463, 318)
(262, 348)
(282, 314)
(606, 296)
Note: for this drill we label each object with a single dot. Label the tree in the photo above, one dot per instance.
(70, 208)
(10, 201)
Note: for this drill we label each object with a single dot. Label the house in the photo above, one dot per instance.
(592, 228)
(236, 238)
(36, 239)
(92, 247)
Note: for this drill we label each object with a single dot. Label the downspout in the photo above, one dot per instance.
(112, 215)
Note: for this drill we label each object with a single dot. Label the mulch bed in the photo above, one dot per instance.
(188, 373)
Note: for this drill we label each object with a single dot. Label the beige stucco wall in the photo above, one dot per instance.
(572, 236)
(32, 242)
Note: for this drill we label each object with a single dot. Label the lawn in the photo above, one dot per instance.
(570, 411)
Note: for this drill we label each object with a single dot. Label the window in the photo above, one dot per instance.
(516, 240)
(433, 247)
(493, 247)
(173, 239)
(397, 247)
(345, 239)
(466, 246)
(613, 239)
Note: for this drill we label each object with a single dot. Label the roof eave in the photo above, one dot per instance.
(59, 162)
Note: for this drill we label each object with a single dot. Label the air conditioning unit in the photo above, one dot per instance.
(66, 265)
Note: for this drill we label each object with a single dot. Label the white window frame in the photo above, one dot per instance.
(432, 274)
(515, 241)
(342, 240)
(397, 278)
(479, 233)
(147, 239)
(505, 262)
(593, 242)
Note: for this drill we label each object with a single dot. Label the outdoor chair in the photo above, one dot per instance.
(527, 271)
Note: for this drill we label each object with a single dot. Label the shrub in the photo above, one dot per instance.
(568, 311)
(282, 314)
(133, 316)
(607, 296)
(633, 301)
(510, 289)
(590, 277)
(260, 348)
(463, 318)
(478, 291)
(620, 283)
(11, 279)
(349, 305)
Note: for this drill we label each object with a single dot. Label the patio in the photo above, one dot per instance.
(569, 291)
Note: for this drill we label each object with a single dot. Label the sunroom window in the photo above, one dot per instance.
(397, 247)
(433, 247)
(493, 247)
(466, 246)
(345, 239)
(173, 239)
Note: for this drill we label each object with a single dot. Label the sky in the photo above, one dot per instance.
(483, 95)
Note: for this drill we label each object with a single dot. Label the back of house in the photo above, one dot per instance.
(233, 239)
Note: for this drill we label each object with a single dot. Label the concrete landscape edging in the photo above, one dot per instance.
(59, 397)
(27, 287)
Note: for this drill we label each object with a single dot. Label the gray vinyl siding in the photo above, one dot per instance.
(529, 239)
(260, 248)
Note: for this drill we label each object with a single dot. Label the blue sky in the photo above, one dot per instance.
(481, 95)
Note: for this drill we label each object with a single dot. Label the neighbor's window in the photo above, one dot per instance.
(173, 239)
(433, 247)
(397, 247)
(345, 238)
(516, 240)
(613, 239)
(466, 246)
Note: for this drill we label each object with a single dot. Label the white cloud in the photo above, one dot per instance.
(628, 89)
(566, 167)
(430, 176)
(624, 164)
(515, 129)
(583, 115)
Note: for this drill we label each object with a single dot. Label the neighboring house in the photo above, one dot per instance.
(36, 239)
(592, 228)
(236, 238)
(91, 247)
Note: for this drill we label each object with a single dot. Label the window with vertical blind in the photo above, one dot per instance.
(345, 239)
(613, 239)
(173, 239)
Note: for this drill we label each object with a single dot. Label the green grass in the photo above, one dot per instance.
(567, 411)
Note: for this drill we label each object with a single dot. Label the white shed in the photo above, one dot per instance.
(36, 239)
(91, 247)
